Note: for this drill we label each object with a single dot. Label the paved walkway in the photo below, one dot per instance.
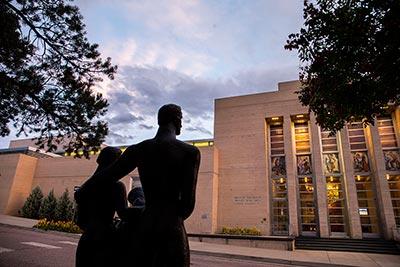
(17, 221)
(298, 257)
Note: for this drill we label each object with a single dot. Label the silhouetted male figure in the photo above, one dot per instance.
(168, 172)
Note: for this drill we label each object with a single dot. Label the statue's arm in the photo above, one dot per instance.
(121, 203)
(126, 163)
(188, 194)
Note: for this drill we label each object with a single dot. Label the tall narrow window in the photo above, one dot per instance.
(364, 180)
(305, 179)
(391, 153)
(280, 218)
(335, 194)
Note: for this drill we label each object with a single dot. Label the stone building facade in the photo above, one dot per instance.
(269, 166)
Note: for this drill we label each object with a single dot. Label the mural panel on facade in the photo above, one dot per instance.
(278, 165)
(392, 160)
(360, 162)
(304, 165)
(331, 163)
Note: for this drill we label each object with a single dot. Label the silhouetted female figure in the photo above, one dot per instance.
(97, 204)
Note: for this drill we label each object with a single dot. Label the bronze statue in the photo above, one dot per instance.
(168, 171)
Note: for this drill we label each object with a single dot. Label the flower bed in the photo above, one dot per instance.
(62, 226)
(240, 231)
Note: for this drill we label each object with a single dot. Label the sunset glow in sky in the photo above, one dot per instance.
(188, 53)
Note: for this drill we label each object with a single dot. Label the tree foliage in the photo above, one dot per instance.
(48, 208)
(47, 72)
(64, 210)
(32, 204)
(350, 54)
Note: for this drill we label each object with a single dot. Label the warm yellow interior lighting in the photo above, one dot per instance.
(300, 116)
(387, 176)
(332, 193)
(358, 178)
(201, 144)
(301, 121)
(281, 180)
(305, 179)
(73, 154)
(275, 118)
(331, 178)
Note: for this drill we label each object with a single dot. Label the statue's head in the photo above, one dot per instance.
(170, 113)
(108, 155)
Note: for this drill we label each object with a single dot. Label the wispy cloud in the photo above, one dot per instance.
(199, 129)
(125, 118)
(143, 90)
(147, 127)
(119, 139)
(199, 38)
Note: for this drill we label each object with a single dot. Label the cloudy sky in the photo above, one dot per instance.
(188, 53)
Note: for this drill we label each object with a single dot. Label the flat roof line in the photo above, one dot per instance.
(28, 150)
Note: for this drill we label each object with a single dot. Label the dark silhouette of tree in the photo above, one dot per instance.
(47, 71)
(32, 204)
(350, 55)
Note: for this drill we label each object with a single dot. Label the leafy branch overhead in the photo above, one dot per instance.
(47, 72)
(350, 55)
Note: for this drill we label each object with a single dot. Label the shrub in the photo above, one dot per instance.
(240, 231)
(65, 208)
(63, 226)
(48, 208)
(32, 204)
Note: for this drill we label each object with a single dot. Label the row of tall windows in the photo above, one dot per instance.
(333, 177)
(391, 153)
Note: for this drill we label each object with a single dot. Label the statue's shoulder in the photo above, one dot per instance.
(140, 144)
(188, 147)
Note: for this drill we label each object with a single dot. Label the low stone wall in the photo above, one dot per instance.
(268, 242)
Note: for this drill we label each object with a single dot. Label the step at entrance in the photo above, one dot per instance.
(342, 244)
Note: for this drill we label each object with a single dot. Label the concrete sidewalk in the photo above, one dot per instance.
(17, 221)
(298, 257)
